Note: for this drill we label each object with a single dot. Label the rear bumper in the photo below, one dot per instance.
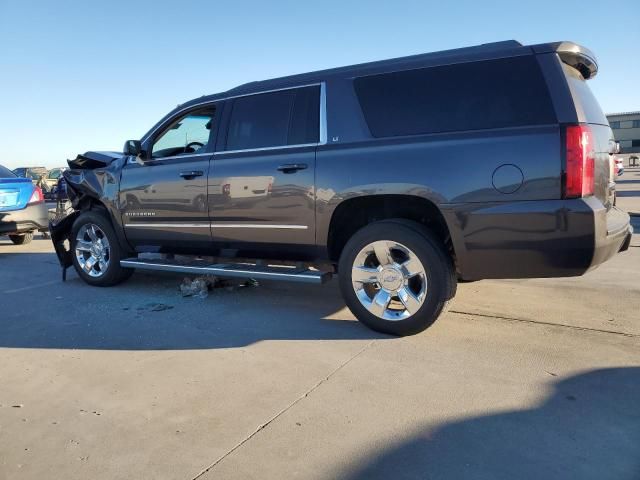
(612, 234)
(551, 238)
(30, 218)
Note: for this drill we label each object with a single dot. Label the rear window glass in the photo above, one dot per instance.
(6, 173)
(583, 98)
(467, 96)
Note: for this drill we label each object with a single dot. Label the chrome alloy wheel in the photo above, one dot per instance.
(92, 250)
(389, 280)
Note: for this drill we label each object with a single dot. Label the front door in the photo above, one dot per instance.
(163, 197)
(261, 183)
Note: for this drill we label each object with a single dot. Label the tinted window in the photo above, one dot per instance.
(614, 124)
(287, 117)
(260, 120)
(305, 120)
(6, 173)
(583, 98)
(466, 96)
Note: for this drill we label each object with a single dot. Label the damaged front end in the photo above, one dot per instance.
(92, 182)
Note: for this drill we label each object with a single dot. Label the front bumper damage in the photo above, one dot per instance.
(92, 181)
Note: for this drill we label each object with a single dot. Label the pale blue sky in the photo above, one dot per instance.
(84, 75)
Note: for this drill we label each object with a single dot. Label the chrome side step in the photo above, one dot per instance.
(234, 270)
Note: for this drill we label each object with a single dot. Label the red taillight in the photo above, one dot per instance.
(579, 180)
(36, 196)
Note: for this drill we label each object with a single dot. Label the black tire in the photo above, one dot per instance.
(439, 270)
(21, 238)
(114, 273)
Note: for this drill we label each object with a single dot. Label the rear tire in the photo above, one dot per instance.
(95, 251)
(404, 293)
(22, 238)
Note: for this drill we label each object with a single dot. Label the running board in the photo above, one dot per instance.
(237, 270)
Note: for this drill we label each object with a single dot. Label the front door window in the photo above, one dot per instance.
(186, 136)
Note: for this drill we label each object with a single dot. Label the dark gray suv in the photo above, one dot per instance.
(403, 176)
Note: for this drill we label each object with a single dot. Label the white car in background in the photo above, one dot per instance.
(618, 166)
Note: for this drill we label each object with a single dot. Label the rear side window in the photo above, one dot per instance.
(467, 96)
(583, 98)
(287, 117)
(305, 120)
(6, 173)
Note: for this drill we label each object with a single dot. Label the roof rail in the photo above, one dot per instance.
(501, 44)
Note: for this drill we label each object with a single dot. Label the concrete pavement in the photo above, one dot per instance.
(628, 190)
(521, 379)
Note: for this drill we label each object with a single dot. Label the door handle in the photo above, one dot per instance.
(292, 167)
(191, 174)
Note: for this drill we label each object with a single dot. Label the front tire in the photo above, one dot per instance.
(396, 276)
(22, 238)
(96, 252)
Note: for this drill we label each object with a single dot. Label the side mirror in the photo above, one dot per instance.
(132, 147)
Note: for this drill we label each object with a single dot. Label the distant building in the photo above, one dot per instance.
(626, 130)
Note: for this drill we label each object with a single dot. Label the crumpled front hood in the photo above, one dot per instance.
(92, 160)
(94, 174)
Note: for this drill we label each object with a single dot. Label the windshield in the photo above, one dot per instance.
(32, 173)
(55, 173)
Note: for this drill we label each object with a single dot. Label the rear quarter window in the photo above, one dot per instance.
(467, 96)
(586, 104)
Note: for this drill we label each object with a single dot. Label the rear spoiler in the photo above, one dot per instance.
(574, 55)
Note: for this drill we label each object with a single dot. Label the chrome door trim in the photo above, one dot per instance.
(262, 149)
(322, 139)
(258, 225)
(184, 155)
(167, 225)
(214, 225)
(230, 97)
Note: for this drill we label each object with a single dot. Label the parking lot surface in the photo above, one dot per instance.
(520, 379)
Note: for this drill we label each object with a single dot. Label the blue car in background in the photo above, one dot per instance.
(22, 208)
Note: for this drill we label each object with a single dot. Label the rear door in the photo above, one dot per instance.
(261, 183)
(163, 199)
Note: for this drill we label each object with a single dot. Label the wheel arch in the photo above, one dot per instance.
(87, 203)
(353, 213)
